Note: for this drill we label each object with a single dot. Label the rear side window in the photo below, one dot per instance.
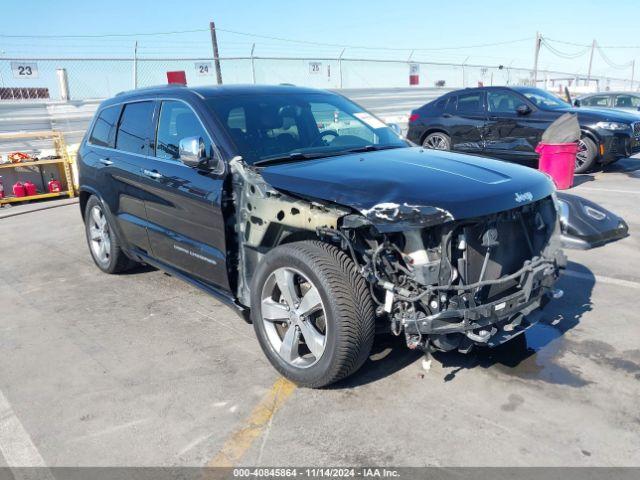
(470, 103)
(104, 129)
(135, 128)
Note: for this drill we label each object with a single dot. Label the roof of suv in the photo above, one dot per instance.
(215, 91)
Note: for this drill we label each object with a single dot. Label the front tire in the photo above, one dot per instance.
(437, 141)
(312, 313)
(102, 240)
(586, 156)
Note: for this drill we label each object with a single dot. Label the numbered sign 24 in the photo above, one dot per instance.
(204, 69)
(24, 70)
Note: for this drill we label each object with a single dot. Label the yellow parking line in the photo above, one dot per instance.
(253, 426)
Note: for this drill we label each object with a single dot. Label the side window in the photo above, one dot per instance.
(597, 101)
(103, 133)
(177, 121)
(135, 128)
(470, 103)
(237, 119)
(452, 105)
(502, 102)
(627, 101)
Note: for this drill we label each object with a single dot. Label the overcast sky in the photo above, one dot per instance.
(403, 25)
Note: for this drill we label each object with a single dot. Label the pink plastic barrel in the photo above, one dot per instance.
(559, 161)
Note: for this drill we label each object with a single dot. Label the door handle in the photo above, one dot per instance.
(493, 118)
(446, 115)
(152, 174)
(106, 161)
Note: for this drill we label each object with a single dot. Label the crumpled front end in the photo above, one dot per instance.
(455, 283)
(444, 283)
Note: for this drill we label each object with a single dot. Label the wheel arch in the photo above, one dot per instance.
(431, 130)
(591, 135)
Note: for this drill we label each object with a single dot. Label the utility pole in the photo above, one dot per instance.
(135, 65)
(340, 67)
(535, 58)
(593, 47)
(253, 64)
(216, 56)
(633, 72)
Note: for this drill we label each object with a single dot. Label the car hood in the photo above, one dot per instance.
(412, 187)
(604, 114)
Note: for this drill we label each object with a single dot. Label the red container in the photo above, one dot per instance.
(30, 188)
(54, 186)
(559, 161)
(19, 190)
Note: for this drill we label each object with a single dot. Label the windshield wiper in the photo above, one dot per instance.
(291, 157)
(373, 148)
(295, 156)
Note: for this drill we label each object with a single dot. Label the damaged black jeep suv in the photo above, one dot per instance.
(318, 222)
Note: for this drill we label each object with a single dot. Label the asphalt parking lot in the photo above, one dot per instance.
(141, 369)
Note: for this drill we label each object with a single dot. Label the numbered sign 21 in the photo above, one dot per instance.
(203, 69)
(24, 70)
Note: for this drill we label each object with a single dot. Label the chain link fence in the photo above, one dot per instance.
(93, 78)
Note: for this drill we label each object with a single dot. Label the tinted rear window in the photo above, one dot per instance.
(103, 133)
(471, 102)
(135, 129)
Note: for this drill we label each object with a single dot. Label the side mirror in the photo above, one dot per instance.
(576, 103)
(523, 109)
(396, 128)
(193, 153)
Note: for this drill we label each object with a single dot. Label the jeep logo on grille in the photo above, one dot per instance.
(524, 197)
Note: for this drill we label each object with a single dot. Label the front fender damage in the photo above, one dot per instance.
(265, 217)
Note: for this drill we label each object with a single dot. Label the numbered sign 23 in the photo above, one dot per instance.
(204, 69)
(24, 69)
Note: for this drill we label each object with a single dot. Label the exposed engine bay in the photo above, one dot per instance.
(443, 283)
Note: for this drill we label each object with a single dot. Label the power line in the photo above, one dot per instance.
(561, 54)
(342, 45)
(106, 35)
(269, 37)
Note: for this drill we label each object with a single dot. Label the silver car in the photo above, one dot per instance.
(629, 101)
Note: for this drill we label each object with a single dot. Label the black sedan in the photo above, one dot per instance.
(508, 123)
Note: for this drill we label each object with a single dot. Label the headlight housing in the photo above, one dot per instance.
(615, 126)
(562, 208)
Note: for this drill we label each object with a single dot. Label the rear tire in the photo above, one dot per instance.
(586, 156)
(102, 239)
(437, 141)
(312, 342)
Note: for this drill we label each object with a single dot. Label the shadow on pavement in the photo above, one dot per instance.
(531, 356)
(582, 179)
(624, 165)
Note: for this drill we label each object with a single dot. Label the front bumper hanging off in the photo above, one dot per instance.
(497, 321)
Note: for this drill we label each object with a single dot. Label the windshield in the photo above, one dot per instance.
(544, 99)
(274, 126)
